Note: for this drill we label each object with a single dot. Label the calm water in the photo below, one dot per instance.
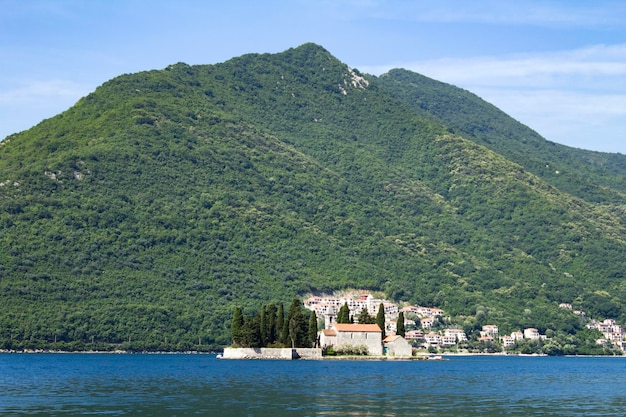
(200, 385)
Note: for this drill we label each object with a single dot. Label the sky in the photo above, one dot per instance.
(557, 66)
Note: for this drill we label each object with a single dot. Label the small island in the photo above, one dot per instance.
(271, 335)
(357, 325)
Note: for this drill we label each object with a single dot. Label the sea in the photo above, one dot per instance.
(45, 384)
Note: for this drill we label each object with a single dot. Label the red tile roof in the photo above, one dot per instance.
(342, 327)
(391, 338)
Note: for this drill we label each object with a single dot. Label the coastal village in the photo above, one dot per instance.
(425, 328)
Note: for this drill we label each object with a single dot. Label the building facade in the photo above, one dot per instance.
(352, 335)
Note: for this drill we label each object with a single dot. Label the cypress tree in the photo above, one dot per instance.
(344, 314)
(400, 331)
(313, 329)
(380, 318)
(284, 334)
(271, 323)
(237, 325)
(296, 325)
(251, 331)
(263, 326)
(280, 323)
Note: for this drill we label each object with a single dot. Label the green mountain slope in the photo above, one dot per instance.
(142, 215)
(592, 176)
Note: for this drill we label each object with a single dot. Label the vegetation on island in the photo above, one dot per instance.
(141, 217)
(270, 328)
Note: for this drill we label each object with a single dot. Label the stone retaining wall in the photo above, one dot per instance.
(272, 353)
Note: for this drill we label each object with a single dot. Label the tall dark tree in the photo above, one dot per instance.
(237, 325)
(344, 314)
(264, 328)
(400, 330)
(313, 329)
(251, 331)
(296, 325)
(280, 324)
(271, 323)
(365, 317)
(380, 318)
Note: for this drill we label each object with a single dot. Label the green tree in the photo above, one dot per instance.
(264, 327)
(296, 325)
(237, 325)
(251, 331)
(272, 316)
(380, 318)
(400, 330)
(365, 317)
(344, 314)
(313, 329)
(280, 324)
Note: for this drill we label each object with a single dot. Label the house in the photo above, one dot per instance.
(391, 310)
(409, 323)
(350, 335)
(397, 346)
(427, 322)
(490, 330)
(508, 341)
(455, 335)
(448, 340)
(328, 337)
(432, 339)
(410, 310)
(429, 311)
(531, 333)
(517, 336)
(414, 335)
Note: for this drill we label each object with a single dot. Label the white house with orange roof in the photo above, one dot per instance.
(454, 334)
(432, 339)
(410, 309)
(507, 341)
(414, 335)
(531, 333)
(490, 330)
(427, 322)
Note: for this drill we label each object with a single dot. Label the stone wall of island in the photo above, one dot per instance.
(272, 353)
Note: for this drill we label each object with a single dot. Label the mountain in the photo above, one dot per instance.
(141, 216)
(592, 176)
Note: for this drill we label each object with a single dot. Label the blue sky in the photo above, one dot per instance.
(556, 66)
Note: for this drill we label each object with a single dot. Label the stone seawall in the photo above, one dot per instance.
(272, 353)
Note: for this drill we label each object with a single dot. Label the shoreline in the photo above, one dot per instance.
(103, 352)
(419, 356)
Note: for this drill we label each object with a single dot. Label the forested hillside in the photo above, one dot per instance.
(592, 176)
(142, 215)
